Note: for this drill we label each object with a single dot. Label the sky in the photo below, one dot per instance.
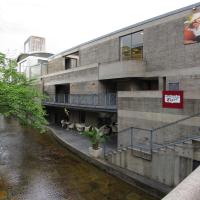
(67, 23)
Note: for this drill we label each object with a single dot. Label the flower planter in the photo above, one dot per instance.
(95, 153)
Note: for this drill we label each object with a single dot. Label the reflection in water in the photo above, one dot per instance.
(34, 167)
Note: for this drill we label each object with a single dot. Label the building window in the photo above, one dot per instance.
(72, 60)
(131, 46)
(70, 63)
(174, 86)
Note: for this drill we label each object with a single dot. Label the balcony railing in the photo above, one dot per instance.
(107, 101)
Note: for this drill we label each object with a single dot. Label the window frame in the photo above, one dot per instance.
(120, 48)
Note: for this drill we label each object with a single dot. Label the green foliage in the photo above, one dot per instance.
(19, 98)
(96, 136)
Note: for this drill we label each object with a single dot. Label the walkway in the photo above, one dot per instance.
(80, 142)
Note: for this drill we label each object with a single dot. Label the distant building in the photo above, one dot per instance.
(33, 62)
(33, 44)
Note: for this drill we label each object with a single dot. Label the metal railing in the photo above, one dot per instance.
(94, 100)
(147, 140)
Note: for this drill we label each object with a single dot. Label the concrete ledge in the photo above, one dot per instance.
(188, 189)
(188, 94)
(95, 65)
(152, 187)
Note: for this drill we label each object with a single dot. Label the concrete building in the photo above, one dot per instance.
(120, 77)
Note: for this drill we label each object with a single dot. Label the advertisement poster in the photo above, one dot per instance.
(192, 28)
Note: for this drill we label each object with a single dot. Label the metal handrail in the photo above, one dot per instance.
(175, 122)
(133, 127)
(101, 99)
(151, 132)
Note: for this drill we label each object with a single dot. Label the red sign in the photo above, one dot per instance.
(172, 99)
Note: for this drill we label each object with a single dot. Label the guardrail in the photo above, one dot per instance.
(94, 100)
(169, 134)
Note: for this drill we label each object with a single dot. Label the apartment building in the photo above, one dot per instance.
(145, 78)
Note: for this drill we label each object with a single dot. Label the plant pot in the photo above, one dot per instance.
(96, 153)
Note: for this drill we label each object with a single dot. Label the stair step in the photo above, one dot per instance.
(196, 139)
(179, 145)
(171, 147)
(163, 149)
(188, 142)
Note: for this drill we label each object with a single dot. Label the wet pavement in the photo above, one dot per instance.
(34, 166)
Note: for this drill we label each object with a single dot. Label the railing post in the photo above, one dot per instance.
(131, 137)
(151, 141)
(109, 99)
(55, 99)
(104, 149)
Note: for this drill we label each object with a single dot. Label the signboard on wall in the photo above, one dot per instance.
(172, 99)
(192, 28)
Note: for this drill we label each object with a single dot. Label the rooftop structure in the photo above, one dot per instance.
(34, 44)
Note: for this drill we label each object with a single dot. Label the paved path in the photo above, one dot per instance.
(80, 142)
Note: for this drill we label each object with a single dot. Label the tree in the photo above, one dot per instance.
(19, 98)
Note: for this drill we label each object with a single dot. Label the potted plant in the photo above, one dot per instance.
(96, 137)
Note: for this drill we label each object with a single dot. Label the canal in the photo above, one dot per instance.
(34, 166)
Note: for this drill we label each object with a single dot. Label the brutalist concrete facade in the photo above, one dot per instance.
(138, 85)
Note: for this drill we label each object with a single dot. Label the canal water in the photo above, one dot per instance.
(34, 166)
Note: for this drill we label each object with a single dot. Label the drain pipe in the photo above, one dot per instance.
(188, 189)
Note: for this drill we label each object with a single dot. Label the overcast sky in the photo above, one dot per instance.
(67, 23)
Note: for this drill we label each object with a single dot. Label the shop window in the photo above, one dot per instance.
(131, 46)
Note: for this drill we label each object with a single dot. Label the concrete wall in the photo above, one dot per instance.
(82, 74)
(144, 110)
(121, 69)
(56, 65)
(104, 52)
(90, 87)
(166, 167)
(164, 48)
(171, 170)
(50, 89)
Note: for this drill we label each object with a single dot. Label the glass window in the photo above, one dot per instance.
(137, 39)
(131, 46)
(125, 44)
(174, 86)
(137, 53)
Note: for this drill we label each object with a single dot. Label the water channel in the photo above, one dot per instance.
(34, 166)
